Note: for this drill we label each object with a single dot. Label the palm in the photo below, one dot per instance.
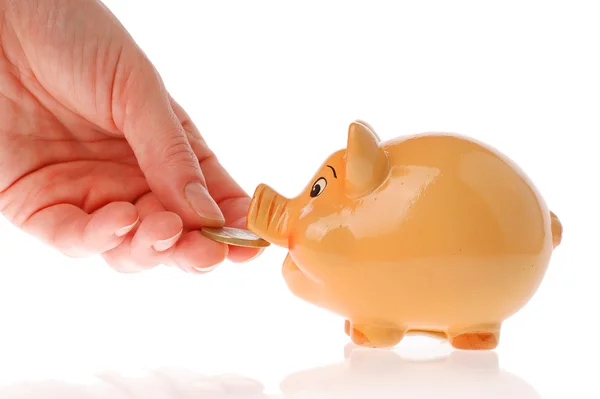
(88, 174)
(87, 167)
(64, 155)
(65, 149)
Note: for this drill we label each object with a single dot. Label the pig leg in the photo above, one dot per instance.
(477, 337)
(368, 335)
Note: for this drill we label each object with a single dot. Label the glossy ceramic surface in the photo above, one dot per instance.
(433, 233)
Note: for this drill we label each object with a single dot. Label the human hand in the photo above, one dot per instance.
(95, 155)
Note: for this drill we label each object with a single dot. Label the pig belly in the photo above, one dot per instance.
(434, 295)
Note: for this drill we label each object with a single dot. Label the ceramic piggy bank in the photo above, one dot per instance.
(427, 234)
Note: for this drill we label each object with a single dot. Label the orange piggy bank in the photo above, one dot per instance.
(429, 234)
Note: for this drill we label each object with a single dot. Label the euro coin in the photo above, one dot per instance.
(234, 236)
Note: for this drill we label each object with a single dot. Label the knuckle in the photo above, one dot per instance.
(207, 158)
(135, 81)
(178, 154)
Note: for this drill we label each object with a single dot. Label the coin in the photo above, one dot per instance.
(234, 236)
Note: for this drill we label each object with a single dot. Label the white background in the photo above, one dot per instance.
(273, 86)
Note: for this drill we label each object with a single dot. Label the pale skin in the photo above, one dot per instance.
(96, 157)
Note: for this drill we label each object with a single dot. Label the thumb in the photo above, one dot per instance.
(160, 144)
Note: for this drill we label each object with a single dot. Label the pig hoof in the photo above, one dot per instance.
(373, 337)
(475, 340)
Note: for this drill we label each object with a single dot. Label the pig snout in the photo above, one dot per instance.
(268, 216)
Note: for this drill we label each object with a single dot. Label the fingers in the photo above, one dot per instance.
(161, 239)
(234, 203)
(151, 242)
(131, 238)
(143, 112)
(180, 168)
(158, 233)
(232, 199)
(190, 252)
(195, 253)
(222, 186)
(77, 234)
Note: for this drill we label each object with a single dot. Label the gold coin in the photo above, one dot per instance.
(233, 236)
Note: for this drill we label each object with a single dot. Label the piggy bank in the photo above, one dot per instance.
(433, 233)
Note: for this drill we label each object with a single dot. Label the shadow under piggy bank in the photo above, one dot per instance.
(365, 374)
(375, 374)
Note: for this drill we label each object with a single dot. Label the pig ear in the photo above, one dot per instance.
(367, 126)
(366, 163)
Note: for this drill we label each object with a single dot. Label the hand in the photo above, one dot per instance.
(95, 156)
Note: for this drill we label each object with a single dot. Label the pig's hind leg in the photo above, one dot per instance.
(476, 337)
(368, 335)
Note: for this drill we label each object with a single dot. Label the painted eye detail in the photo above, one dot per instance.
(318, 187)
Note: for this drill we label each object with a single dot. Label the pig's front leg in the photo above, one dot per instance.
(374, 336)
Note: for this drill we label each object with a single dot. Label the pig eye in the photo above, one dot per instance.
(318, 187)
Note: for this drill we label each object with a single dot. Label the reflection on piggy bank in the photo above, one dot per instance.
(428, 234)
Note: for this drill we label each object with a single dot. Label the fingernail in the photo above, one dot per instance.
(163, 245)
(214, 266)
(124, 230)
(206, 269)
(199, 198)
(250, 259)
